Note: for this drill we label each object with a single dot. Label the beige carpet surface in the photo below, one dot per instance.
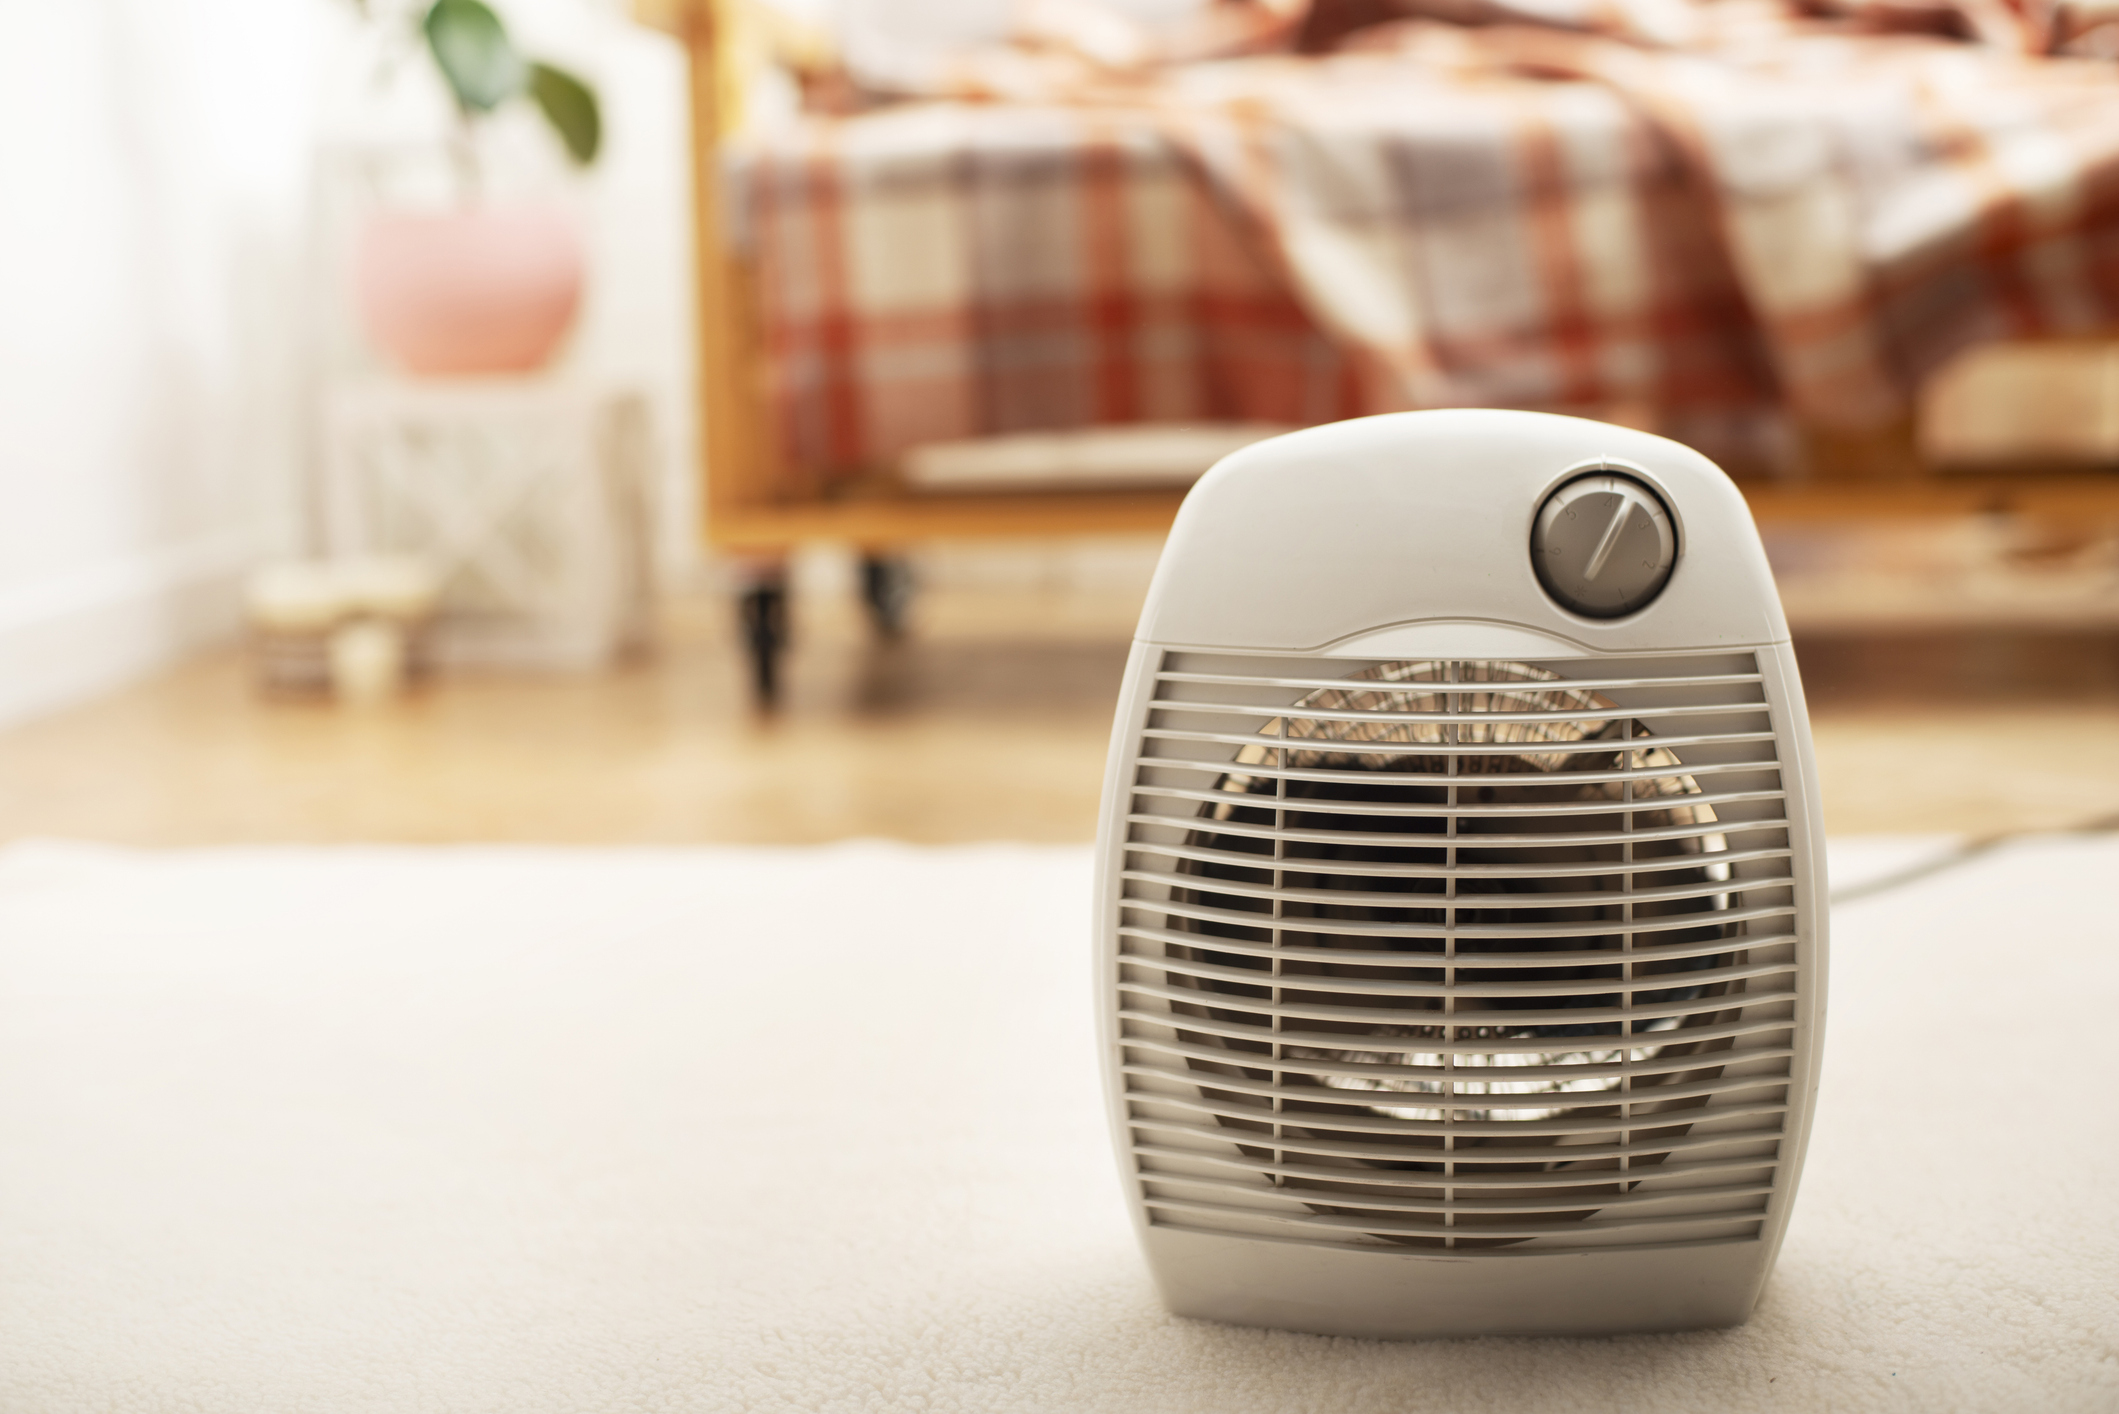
(527, 1131)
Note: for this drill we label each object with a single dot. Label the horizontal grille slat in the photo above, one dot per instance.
(1441, 1072)
(1361, 898)
(1358, 869)
(1517, 949)
(1268, 1035)
(1470, 1182)
(1267, 771)
(1392, 1016)
(1236, 917)
(1397, 987)
(1423, 810)
(1575, 684)
(1479, 719)
(1346, 958)
(1601, 748)
(1384, 1224)
(1639, 1198)
(1321, 1094)
(1310, 1120)
(1546, 1247)
(1485, 1154)
(1484, 842)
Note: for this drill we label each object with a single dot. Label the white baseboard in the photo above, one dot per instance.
(72, 637)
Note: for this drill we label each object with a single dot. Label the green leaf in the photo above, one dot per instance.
(570, 106)
(472, 48)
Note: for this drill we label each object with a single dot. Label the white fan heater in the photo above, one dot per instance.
(1461, 939)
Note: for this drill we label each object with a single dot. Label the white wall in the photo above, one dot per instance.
(152, 157)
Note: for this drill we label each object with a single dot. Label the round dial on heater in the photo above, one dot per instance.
(1603, 545)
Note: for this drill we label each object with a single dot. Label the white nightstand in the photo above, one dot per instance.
(529, 495)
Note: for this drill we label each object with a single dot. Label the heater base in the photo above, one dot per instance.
(1407, 1296)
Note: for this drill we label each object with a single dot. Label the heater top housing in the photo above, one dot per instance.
(1460, 946)
(1313, 540)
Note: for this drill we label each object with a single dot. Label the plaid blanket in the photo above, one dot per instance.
(1764, 211)
(941, 271)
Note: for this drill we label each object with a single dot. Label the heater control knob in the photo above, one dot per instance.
(1603, 545)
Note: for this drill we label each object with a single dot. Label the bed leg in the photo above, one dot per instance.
(886, 587)
(761, 617)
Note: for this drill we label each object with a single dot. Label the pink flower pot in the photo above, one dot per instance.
(481, 290)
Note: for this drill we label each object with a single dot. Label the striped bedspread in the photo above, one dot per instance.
(1774, 213)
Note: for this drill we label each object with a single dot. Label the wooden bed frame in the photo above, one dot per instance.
(751, 512)
(747, 505)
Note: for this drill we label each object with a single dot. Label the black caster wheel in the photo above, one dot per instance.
(762, 612)
(886, 587)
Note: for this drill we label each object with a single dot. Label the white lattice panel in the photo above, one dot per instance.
(528, 495)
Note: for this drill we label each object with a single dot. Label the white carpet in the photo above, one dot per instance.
(513, 1130)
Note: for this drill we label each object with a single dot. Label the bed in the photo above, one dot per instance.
(1753, 226)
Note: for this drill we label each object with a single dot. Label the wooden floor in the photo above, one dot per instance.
(989, 722)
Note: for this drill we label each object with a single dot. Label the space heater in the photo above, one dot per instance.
(1461, 939)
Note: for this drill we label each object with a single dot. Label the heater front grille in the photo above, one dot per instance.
(1474, 955)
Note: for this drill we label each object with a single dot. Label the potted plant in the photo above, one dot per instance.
(488, 286)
